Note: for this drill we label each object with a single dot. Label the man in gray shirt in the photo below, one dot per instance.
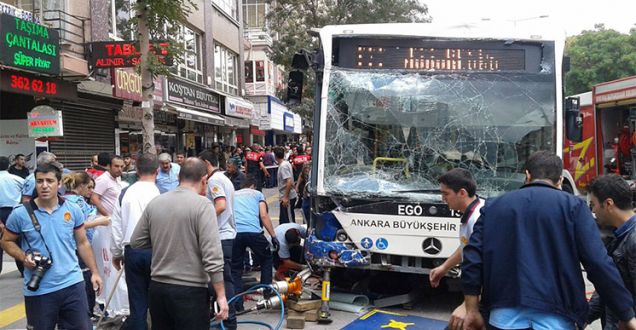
(186, 253)
(286, 192)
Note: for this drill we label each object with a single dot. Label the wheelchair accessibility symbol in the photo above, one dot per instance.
(381, 243)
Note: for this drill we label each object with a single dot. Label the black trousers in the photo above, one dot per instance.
(179, 307)
(287, 214)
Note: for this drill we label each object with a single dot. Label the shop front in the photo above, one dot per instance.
(283, 125)
(199, 114)
(129, 138)
(238, 114)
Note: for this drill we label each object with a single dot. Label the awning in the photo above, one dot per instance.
(237, 122)
(199, 116)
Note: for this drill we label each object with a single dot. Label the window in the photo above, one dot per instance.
(249, 72)
(228, 6)
(192, 66)
(225, 70)
(254, 13)
(260, 71)
(120, 28)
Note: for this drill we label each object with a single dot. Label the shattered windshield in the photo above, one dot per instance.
(392, 133)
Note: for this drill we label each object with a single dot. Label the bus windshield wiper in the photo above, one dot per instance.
(421, 191)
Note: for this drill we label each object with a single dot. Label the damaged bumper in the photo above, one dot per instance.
(334, 254)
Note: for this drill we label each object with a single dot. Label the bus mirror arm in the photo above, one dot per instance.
(573, 119)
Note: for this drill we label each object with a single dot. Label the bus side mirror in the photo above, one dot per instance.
(573, 119)
(295, 87)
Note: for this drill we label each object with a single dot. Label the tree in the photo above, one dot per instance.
(599, 55)
(157, 20)
(291, 20)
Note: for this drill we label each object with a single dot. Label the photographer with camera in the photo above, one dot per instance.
(51, 230)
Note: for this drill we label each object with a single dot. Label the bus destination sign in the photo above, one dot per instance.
(436, 55)
(440, 58)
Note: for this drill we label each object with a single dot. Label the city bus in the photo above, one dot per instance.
(398, 105)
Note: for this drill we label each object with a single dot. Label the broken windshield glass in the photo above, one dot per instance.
(391, 133)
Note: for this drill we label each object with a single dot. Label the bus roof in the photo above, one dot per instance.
(523, 31)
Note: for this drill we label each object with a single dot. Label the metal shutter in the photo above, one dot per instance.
(89, 128)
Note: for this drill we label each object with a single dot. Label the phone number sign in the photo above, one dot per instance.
(30, 84)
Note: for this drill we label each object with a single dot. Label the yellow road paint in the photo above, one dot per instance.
(12, 314)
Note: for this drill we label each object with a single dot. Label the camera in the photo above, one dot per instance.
(42, 264)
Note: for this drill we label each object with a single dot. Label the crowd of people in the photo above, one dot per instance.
(181, 230)
(147, 218)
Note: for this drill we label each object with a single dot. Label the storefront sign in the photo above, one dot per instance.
(127, 85)
(19, 13)
(235, 122)
(120, 54)
(30, 84)
(191, 95)
(44, 121)
(129, 113)
(256, 131)
(28, 45)
(238, 108)
(200, 119)
(288, 120)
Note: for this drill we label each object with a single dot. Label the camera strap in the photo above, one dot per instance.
(37, 226)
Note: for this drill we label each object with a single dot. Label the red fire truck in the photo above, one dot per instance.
(600, 132)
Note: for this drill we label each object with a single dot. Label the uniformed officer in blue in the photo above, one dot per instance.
(60, 298)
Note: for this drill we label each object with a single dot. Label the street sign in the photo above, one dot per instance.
(44, 121)
(29, 46)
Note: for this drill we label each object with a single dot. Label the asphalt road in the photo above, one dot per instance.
(436, 304)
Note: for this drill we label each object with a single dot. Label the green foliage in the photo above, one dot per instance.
(599, 55)
(291, 20)
(163, 20)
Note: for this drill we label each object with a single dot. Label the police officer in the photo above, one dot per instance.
(255, 165)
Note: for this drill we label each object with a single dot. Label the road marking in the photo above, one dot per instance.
(271, 199)
(12, 314)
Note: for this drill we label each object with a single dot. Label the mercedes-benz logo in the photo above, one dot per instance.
(432, 246)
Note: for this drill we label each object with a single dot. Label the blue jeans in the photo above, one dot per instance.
(137, 267)
(67, 308)
(260, 247)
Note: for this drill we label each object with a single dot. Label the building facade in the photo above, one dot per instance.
(273, 123)
(200, 103)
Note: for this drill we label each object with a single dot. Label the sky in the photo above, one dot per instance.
(573, 16)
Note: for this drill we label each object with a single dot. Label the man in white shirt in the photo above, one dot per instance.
(128, 210)
(221, 192)
(107, 188)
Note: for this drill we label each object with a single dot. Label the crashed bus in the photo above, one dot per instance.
(397, 105)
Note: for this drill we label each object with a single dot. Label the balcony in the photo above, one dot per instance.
(72, 39)
(258, 37)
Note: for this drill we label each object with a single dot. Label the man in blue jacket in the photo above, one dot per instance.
(525, 253)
